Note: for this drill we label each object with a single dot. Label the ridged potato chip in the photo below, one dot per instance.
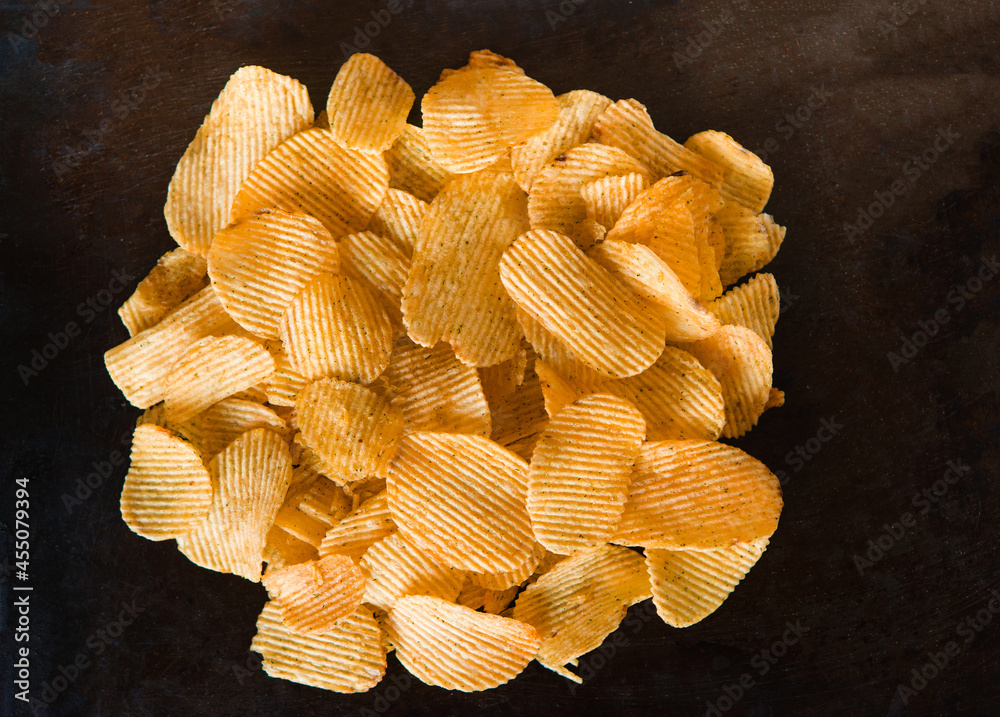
(177, 275)
(222, 423)
(472, 596)
(394, 567)
(457, 648)
(314, 596)
(751, 241)
(555, 353)
(746, 179)
(666, 202)
(412, 166)
(365, 526)
(381, 265)
(368, 104)
(511, 578)
(606, 198)
(496, 602)
(501, 380)
(282, 549)
(284, 384)
(518, 417)
(698, 495)
(313, 505)
(755, 305)
(398, 218)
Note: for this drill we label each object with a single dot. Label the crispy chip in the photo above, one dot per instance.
(394, 567)
(413, 168)
(755, 305)
(664, 208)
(502, 379)
(698, 495)
(606, 198)
(315, 596)
(398, 218)
(511, 578)
(313, 505)
(775, 399)
(746, 179)
(255, 112)
(353, 535)
(284, 384)
(519, 417)
(472, 596)
(457, 648)
(460, 499)
(381, 265)
(177, 275)
(555, 353)
(368, 104)
(282, 549)
(496, 601)
(222, 423)
(751, 241)
(167, 490)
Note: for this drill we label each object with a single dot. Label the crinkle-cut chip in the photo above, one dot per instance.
(755, 305)
(453, 292)
(746, 179)
(502, 379)
(741, 361)
(398, 218)
(627, 125)
(775, 399)
(435, 391)
(222, 423)
(751, 241)
(259, 264)
(141, 366)
(212, 369)
(349, 658)
(177, 275)
(366, 525)
(472, 595)
(361, 490)
(556, 353)
(351, 428)
(394, 567)
(455, 647)
(582, 304)
(250, 478)
(312, 174)
(606, 198)
(283, 549)
(460, 499)
(312, 507)
(698, 495)
(254, 113)
(578, 110)
(412, 167)
(285, 383)
(368, 104)
(579, 473)
(314, 596)
(257, 394)
(580, 601)
(652, 279)
(510, 578)
(475, 114)
(381, 264)
(337, 327)
(519, 417)
(167, 490)
(668, 202)
(496, 601)
(710, 283)
(556, 202)
(558, 391)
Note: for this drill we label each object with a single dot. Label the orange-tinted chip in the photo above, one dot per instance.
(177, 275)
(413, 168)
(394, 567)
(315, 596)
(755, 305)
(368, 104)
(746, 179)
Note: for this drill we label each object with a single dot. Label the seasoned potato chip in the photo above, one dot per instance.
(380, 264)
(398, 218)
(751, 241)
(455, 647)
(519, 417)
(606, 198)
(511, 578)
(497, 601)
(222, 423)
(365, 526)
(313, 505)
(775, 399)
(368, 104)
(555, 353)
(314, 596)
(755, 305)
(698, 495)
(413, 168)
(282, 549)
(502, 379)
(746, 179)
(177, 275)
(472, 596)
(394, 567)
(664, 207)
(284, 384)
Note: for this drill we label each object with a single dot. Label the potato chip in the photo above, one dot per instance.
(312, 507)
(258, 265)
(606, 198)
(368, 104)
(457, 648)
(284, 384)
(555, 353)
(177, 275)
(365, 526)
(460, 242)
(582, 304)
(751, 241)
(250, 478)
(167, 490)
(222, 423)
(211, 369)
(471, 596)
(755, 305)
(337, 327)
(394, 567)
(460, 499)
(349, 658)
(557, 391)
(775, 399)
(227, 147)
(579, 473)
(580, 601)
(511, 578)
(412, 167)
(741, 361)
(398, 218)
(312, 174)
(475, 114)
(667, 203)
(502, 379)
(282, 549)
(314, 596)
(710, 285)
(698, 495)
(496, 601)
(381, 265)
(746, 179)
(578, 110)
(518, 418)
(689, 585)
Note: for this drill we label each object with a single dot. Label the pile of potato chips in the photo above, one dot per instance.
(458, 387)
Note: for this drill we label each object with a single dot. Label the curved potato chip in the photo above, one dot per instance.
(746, 179)
(379, 263)
(222, 423)
(472, 595)
(398, 218)
(394, 567)
(698, 495)
(368, 104)
(511, 578)
(755, 305)
(282, 549)
(555, 353)
(177, 275)
(502, 379)
(665, 206)
(751, 241)
(518, 418)
(413, 168)
(606, 198)
(283, 385)
(312, 506)
(457, 648)
(314, 596)
(365, 526)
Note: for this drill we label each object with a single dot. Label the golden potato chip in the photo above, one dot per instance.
(519, 417)
(314, 596)
(457, 648)
(606, 198)
(365, 526)
(257, 394)
(312, 174)
(337, 327)
(167, 490)
(556, 353)
(177, 275)
(313, 505)
(460, 499)
(578, 110)
(284, 384)
(413, 168)
(222, 423)
(755, 305)
(582, 304)
(710, 284)
(579, 473)
(698, 495)
(741, 361)
(211, 369)
(472, 596)
(282, 549)
(349, 658)
(435, 391)
(496, 601)
(667, 202)
(394, 567)
(368, 104)
(627, 125)
(511, 578)
(258, 265)
(460, 242)
(475, 114)
(689, 585)
(379, 263)
(250, 478)
(746, 179)
(502, 379)
(398, 218)
(751, 241)
(141, 366)
(580, 601)
(557, 391)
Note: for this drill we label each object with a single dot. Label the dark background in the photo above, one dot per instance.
(894, 80)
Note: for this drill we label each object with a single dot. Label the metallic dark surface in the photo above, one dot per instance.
(883, 83)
